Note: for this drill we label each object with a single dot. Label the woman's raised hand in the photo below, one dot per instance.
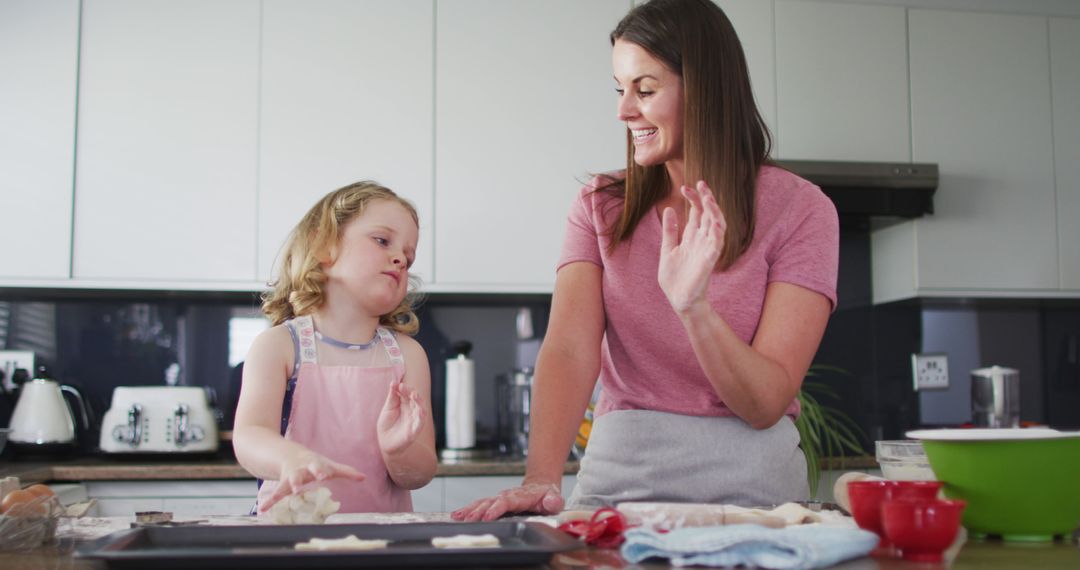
(300, 471)
(401, 419)
(541, 498)
(687, 260)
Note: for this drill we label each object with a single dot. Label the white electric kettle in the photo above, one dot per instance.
(42, 416)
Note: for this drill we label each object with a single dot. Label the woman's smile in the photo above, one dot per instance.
(650, 103)
(643, 135)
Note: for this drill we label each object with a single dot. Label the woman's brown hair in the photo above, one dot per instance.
(725, 140)
(298, 289)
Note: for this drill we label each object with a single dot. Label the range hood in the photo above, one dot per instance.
(871, 189)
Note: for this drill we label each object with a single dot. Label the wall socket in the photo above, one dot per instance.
(12, 360)
(930, 371)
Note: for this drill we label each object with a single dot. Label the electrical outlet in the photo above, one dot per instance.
(930, 371)
(12, 360)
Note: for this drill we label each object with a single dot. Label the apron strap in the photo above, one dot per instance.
(397, 359)
(305, 343)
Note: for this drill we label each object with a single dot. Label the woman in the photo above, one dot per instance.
(696, 284)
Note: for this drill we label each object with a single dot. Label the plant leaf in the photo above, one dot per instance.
(824, 431)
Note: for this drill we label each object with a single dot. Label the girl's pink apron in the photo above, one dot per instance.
(334, 412)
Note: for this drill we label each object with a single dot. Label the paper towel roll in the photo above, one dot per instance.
(460, 402)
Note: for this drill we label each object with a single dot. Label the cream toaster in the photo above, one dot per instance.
(159, 419)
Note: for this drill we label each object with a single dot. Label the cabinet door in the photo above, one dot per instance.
(188, 498)
(980, 100)
(1065, 74)
(524, 111)
(842, 84)
(753, 21)
(429, 498)
(346, 95)
(38, 55)
(165, 179)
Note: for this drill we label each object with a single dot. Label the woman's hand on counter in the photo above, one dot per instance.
(541, 498)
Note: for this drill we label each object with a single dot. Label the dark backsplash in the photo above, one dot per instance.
(96, 342)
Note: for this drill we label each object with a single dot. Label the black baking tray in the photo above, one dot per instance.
(272, 546)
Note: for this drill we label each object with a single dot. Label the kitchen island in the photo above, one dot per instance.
(220, 486)
(973, 554)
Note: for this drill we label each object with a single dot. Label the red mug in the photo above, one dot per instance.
(866, 497)
(921, 528)
(914, 490)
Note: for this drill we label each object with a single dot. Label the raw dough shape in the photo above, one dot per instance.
(309, 507)
(347, 543)
(466, 541)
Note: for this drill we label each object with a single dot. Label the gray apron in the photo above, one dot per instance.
(643, 455)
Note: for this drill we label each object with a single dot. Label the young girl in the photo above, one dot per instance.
(332, 393)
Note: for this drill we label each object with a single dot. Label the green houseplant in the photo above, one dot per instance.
(824, 431)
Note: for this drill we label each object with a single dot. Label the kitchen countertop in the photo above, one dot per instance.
(105, 468)
(992, 555)
(130, 469)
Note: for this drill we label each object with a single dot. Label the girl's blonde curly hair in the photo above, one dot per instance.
(298, 289)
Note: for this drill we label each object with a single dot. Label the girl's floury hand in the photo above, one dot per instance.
(687, 261)
(295, 474)
(402, 418)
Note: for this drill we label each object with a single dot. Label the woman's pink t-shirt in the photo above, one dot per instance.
(646, 359)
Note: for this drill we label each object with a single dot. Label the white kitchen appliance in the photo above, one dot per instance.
(995, 397)
(461, 398)
(42, 418)
(159, 419)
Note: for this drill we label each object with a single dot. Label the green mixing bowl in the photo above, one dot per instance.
(1022, 484)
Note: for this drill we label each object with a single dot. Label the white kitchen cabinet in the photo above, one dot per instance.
(524, 111)
(842, 82)
(38, 73)
(183, 498)
(166, 173)
(346, 95)
(753, 21)
(980, 108)
(1065, 77)
(429, 498)
(192, 498)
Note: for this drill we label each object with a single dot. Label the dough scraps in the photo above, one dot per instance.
(309, 507)
(466, 541)
(348, 543)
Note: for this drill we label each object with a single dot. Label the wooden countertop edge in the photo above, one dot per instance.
(843, 463)
(123, 471)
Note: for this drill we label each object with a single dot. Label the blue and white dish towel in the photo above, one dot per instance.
(802, 546)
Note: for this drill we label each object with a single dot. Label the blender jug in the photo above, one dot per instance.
(513, 391)
(995, 397)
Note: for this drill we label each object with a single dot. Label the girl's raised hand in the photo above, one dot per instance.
(687, 260)
(298, 472)
(402, 418)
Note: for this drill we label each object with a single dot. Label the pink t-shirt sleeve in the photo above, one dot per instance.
(809, 255)
(581, 243)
